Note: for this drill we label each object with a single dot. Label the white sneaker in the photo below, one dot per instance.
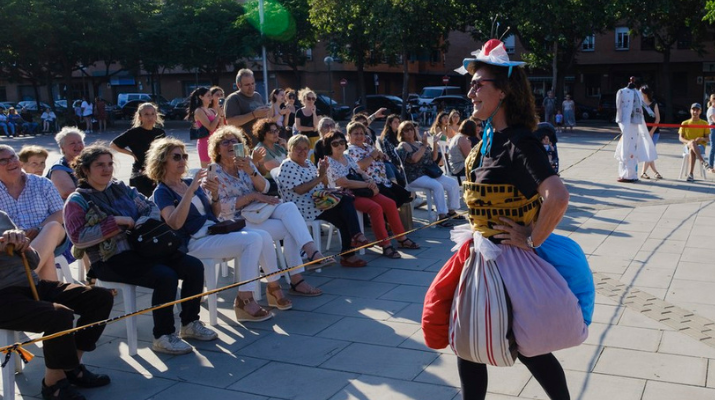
(197, 330)
(171, 344)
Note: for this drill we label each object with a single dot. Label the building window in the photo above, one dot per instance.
(592, 82)
(509, 44)
(623, 41)
(435, 56)
(684, 41)
(589, 43)
(647, 42)
(308, 54)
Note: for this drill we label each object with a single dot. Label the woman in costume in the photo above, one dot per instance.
(528, 303)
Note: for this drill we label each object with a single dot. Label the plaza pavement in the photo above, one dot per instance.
(362, 340)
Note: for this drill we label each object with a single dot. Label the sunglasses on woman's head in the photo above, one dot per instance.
(228, 142)
(178, 157)
(336, 143)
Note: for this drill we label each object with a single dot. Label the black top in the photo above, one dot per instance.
(517, 158)
(138, 140)
(306, 121)
(648, 118)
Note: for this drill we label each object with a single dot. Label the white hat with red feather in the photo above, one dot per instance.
(493, 52)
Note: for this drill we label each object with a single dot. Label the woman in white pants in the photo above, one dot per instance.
(418, 159)
(190, 209)
(240, 185)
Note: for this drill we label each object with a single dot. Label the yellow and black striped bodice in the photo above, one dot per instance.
(488, 202)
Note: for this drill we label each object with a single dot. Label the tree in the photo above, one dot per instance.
(352, 30)
(415, 27)
(287, 32)
(668, 22)
(551, 31)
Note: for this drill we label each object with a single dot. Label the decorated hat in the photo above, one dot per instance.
(493, 52)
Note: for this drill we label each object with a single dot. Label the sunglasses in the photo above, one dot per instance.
(478, 83)
(309, 98)
(336, 143)
(7, 160)
(228, 142)
(177, 157)
(274, 130)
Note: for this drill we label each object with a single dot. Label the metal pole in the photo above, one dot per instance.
(265, 63)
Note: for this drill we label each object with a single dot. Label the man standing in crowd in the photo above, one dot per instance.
(549, 104)
(245, 106)
(694, 139)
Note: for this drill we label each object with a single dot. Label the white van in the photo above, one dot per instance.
(430, 92)
(123, 98)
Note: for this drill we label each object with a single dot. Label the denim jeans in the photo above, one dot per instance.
(711, 159)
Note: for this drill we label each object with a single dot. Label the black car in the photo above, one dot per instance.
(328, 106)
(393, 104)
(448, 103)
(179, 111)
(585, 112)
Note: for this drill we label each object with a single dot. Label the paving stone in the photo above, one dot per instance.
(418, 278)
(296, 382)
(357, 288)
(607, 314)
(667, 391)
(711, 374)
(215, 370)
(643, 276)
(592, 386)
(674, 342)
(361, 330)
(691, 271)
(638, 320)
(623, 337)
(304, 350)
(366, 308)
(407, 293)
(302, 322)
(580, 358)
(190, 391)
(128, 386)
(664, 246)
(691, 291)
(651, 366)
(412, 313)
(383, 361)
(378, 388)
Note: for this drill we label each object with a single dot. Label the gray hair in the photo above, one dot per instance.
(326, 120)
(243, 72)
(4, 147)
(66, 131)
(296, 140)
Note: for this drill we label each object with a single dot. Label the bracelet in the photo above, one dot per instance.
(214, 200)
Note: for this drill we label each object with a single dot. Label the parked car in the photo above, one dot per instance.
(430, 92)
(7, 104)
(328, 106)
(393, 104)
(607, 107)
(31, 106)
(453, 102)
(179, 110)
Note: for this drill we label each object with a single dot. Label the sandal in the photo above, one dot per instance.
(359, 263)
(313, 292)
(327, 261)
(243, 315)
(356, 242)
(281, 303)
(408, 244)
(390, 252)
(446, 224)
(645, 176)
(658, 176)
(455, 215)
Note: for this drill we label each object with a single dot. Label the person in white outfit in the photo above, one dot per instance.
(189, 206)
(635, 144)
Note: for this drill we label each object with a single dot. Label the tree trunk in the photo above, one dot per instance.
(554, 70)
(667, 87)
(405, 83)
(360, 66)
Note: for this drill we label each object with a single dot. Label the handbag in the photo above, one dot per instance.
(227, 226)
(360, 192)
(257, 212)
(154, 239)
(198, 133)
(432, 170)
(325, 199)
(395, 192)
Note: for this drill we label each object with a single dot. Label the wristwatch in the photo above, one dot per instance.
(530, 243)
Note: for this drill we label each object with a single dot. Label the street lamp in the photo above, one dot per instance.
(329, 62)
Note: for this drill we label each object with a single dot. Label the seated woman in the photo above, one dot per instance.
(268, 134)
(32, 159)
(325, 125)
(342, 171)
(36, 207)
(417, 155)
(373, 162)
(387, 143)
(187, 208)
(299, 179)
(97, 216)
(460, 146)
(71, 142)
(53, 311)
(239, 185)
(48, 120)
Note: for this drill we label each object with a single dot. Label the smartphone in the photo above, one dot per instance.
(239, 150)
(211, 171)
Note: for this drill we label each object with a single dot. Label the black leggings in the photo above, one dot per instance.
(545, 368)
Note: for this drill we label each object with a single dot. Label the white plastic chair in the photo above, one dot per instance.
(64, 273)
(129, 294)
(7, 338)
(686, 165)
(428, 193)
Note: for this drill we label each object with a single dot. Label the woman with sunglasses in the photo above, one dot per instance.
(306, 119)
(97, 216)
(190, 206)
(510, 176)
(344, 171)
(240, 184)
(268, 133)
(202, 112)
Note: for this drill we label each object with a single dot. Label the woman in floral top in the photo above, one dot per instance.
(415, 154)
(299, 179)
(388, 143)
(240, 184)
(377, 206)
(373, 162)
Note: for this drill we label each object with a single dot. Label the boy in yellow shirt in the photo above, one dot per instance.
(694, 139)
